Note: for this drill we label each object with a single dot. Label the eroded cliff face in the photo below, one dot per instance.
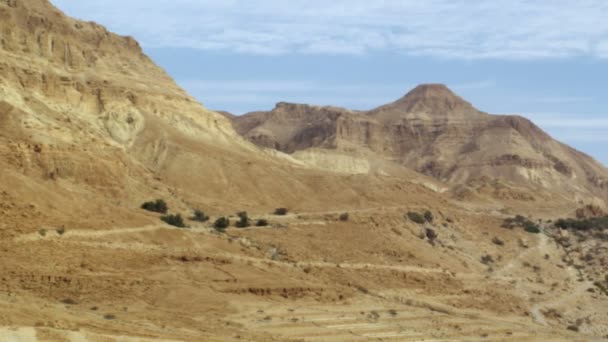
(52, 63)
(90, 128)
(82, 105)
(89, 121)
(435, 132)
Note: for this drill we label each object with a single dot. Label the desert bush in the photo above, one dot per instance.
(42, 232)
(428, 216)
(523, 222)
(416, 217)
(531, 227)
(281, 211)
(199, 216)
(60, 231)
(595, 223)
(498, 241)
(243, 221)
(487, 259)
(174, 220)
(344, 217)
(69, 301)
(431, 234)
(261, 223)
(221, 224)
(158, 206)
(601, 287)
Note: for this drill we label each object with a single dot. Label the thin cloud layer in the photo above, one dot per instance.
(500, 29)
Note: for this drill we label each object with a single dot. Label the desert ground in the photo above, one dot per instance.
(307, 277)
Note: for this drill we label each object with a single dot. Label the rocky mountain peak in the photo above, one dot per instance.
(434, 99)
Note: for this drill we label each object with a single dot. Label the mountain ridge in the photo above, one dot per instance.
(434, 131)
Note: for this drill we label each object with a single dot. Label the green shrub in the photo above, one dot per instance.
(416, 217)
(523, 222)
(281, 211)
(594, 223)
(199, 216)
(261, 223)
(428, 216)
(221, 224)
(61, 231)
(243, 221)
(158, 206)
(174, 220)
(42, 232)
(531, 227)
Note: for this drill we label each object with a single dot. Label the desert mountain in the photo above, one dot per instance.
(90, 128)
(435, 132)
(84, 109)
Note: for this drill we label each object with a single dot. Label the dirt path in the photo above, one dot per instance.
(50, 234)
(540, 247)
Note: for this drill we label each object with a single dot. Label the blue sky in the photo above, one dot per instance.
(546, 60)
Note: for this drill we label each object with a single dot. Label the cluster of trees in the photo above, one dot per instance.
(594, 223)
(220, 224)
(522, 222)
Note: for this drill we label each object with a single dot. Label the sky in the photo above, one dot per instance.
(546, 60)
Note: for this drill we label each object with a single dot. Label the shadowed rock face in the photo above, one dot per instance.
(433, 131)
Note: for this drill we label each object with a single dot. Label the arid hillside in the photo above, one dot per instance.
(84, 110)
(361, 247)
(437, 133)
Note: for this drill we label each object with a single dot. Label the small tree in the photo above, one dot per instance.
(243, 220)
(416, 217)
(174, 220)
(428, 216)
(221, 224)
(261, 223)
(281, 211)
(431, 234)
(199, 216)
(158, 206)
(344, 217)
(531, 227)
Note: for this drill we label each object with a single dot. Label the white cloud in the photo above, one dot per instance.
(465, 29)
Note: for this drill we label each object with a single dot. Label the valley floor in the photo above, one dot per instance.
(309, 277)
